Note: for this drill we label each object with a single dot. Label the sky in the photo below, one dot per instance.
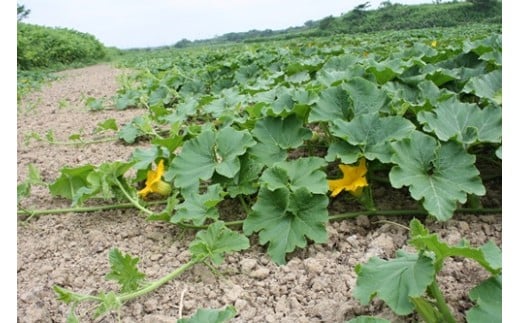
(137, 23)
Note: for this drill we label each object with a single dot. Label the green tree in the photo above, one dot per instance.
(385, 4)
(483, 4)
(326, 23)
(22, 12)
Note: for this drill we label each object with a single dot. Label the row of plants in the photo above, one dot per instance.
(283, 129)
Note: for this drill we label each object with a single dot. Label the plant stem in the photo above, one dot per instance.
(82, 209)
(349, 215)
(83, 143)
(158, 283)
(441, 303)
(246, 207)
(132, 200)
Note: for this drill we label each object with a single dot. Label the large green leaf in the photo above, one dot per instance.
(197, 208)
(196, 161)
(284, 219)
(205, 315)
(365, 95)
(216, 241)
(488, 256)
(276, 135)
(231, 144)
(388, 69)
(487, 86)
(245, 181)
(102, 181)
(342, 150)
(394, 281)
(354, 97)
(372, 134)
(465, 122)
(161, 95)
(210, 152)
(70, 181)
(439, 174)
(295, 174)
(333, 104)
(488, 298)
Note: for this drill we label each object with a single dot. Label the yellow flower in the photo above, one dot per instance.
(434, 43)
(353, 179)
(154, 184)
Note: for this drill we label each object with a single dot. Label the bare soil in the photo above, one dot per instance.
(316, 285)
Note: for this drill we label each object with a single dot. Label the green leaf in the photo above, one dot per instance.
(298, 77)
(182, 111)
(275, 135)
(372, 134)
(209, 153)
(338, 69)
(333, 104)
(487, 86)
(417, 228)
(284, 219)
(102, 180)
(22, 190)
(204, 315)
(161, 95)
(488, 298)
(75, 137)
(394, 281)
(196, 160)
(170, 143)
(65, 295)
(347, 153)
(368, 319)
(94, 104)
(70, 181)
(388, 69)
(453, 119)
(108, 124)
(304, 172)
(432, 94)
(33, 178)
(197, 208)
(129, 133)
(438, 174)
(365, 95)
(143, 158)
(128, 99)
(245, 181)
(442, 251)
(123, 269)
(439, 75)
(230, 145)
(215, 241)
(492, 254)
(283, 102)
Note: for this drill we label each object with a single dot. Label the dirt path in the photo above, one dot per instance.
(71, 250)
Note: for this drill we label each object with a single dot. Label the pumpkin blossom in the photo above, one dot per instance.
(434, 43)
(154, 183)
(353, 179)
